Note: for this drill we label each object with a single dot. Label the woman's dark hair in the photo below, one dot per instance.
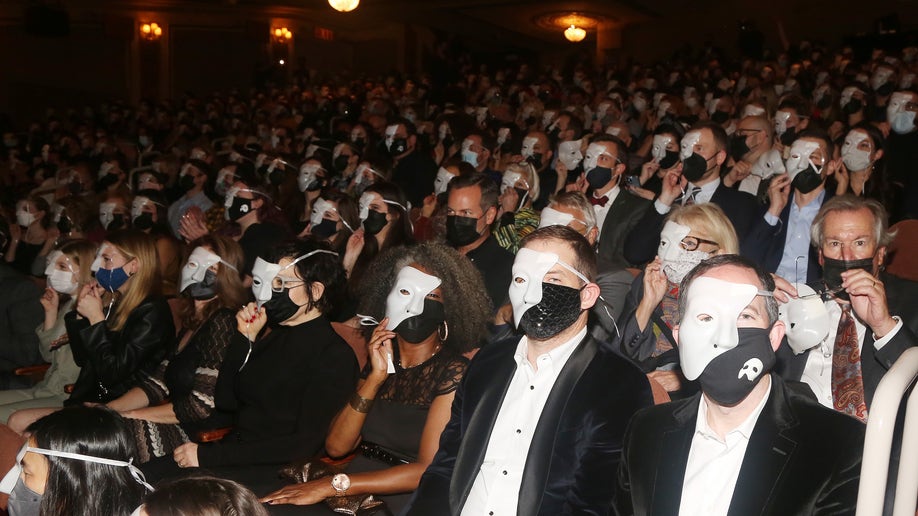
(42, 205)
(400, 233)
(80, 487)
(323, 268)
(79, 211)
(347, 210)
(231, 293)
(465, 300)
(203, 496)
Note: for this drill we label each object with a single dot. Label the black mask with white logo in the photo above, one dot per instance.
(240, 208)
(731, 376)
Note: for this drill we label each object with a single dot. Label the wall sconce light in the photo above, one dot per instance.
(574, 34)
(345, 6)
(281, 34)
(151, 31)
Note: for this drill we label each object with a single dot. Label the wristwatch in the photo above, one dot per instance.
(341, 483)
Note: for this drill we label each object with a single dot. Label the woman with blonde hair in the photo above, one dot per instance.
(690, 235)
(67, 272)
(121, 327)
(519, 186)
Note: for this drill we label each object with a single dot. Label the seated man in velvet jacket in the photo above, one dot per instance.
(537, 424)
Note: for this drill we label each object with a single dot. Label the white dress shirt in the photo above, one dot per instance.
(496, 489)
(703, 196)
(714, 464)
(817, 373)
(602, 211)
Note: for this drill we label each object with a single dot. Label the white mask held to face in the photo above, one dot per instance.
(553, 217)
(569, 154)
(677, 262)
(805, 318)
(529, 144)
(199, 261)
(442, 181)
(406, 299)
(853, 158)
(529, 270)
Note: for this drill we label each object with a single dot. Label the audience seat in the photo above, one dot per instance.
(904, 249)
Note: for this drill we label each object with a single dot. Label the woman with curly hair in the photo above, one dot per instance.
(432, 307)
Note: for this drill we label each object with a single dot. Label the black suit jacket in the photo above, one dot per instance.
(765, 244)
(902, 298)
(577, 442)
(624, 213)
(802, 458)
(642, 242)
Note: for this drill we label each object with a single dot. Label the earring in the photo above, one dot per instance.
(445, 333)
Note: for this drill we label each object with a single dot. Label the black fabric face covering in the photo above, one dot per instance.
(694, 167)
(807, 181)
(559, 308)
(535, 160)
(730, 377)
(416, 329)
(669, 160)
(144, 221)
(719, 117)
(599, 177)
(375, 222)
(116, 223)
(186, 182)
(789, 136)
(106, 181)
(280, 307)
(205, 289)
(832, 270)
(853, 106)
(461, 231)
(64, 225)
(240, 208)
(325, 229)
(738, 147)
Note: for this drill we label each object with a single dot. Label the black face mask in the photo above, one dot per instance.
(807, 181)
(694, 167)
(599, 177)
(375, 222)
(399, 146)
(530, 121)
(106, 181)
(75, 188)
(325, 229)
(144, 221)
(559, 308)
(535, 160)
(64, 225)
(824, 103)
(885, 90)
(116, 223)
(731, 376)
(448, 141)
(738, 147)
(240, 208)
(186, 182)
(205, 289)
(416, 329)
(832, 270)
(360, 142)
(669, 160)
(789, 136)
(719, 117)
(340, 163)
(461, 231)
(853, 106)
(280, 307)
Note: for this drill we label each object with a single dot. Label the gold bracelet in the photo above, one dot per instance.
(360, 404)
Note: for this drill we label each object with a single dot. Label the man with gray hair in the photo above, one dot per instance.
(864, 336)
(747, 443)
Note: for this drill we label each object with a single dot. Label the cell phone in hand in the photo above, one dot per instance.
(633, 181)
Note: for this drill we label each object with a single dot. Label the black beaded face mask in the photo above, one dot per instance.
(557, 311)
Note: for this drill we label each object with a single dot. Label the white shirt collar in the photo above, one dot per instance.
(557, 356)
(745, 428)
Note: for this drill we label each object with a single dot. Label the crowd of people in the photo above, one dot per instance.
(462, 294)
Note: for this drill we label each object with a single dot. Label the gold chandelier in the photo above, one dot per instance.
(344, 6)
(574, 34)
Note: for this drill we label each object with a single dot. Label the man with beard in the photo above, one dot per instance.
(537, 424)
(747, 443)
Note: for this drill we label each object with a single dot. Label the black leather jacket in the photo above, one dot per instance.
(112, 362)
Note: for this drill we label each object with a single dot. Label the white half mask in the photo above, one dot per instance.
(481, 114)
(442, 181)
(781, 118)
(768, 164)
(106, 213)
(548, 116)
(852, 157)
(658, 149)
(263, 273)
(751, 110)
(846, 95)
(105, 168)
(97, 263)
(364, 204)
(663, 108)
(569, 154)
(677, 262)
(906, 81)
(509, 180)
(594, 151)
(502, 134)
(614, 131)
(308, 175)
(880, 77)
(553, 217)
(196, 267)
(805, 318)
(799, 158)
(602, 109)
(708, 326)
(319, 209)
(529, 269)
(529, 144)
(390, 135)
(406, 299)
(687, 145)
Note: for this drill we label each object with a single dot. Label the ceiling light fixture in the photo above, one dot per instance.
(344, 6)
(574, 34)
(151, 31)
(282, 34)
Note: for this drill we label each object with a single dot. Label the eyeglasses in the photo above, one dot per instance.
(279, 283)
(691, 243)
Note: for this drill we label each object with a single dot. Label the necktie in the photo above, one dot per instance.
(689, 197)
(599, 201)
(847, 381)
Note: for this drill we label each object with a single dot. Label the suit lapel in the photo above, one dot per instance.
(478, 432)
(768, 452)
(535, 473)
(617, 211)
(675, 444)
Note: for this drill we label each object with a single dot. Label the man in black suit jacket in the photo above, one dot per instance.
(851, 235)
(536, 426)
(747, 444)
(703, 153)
